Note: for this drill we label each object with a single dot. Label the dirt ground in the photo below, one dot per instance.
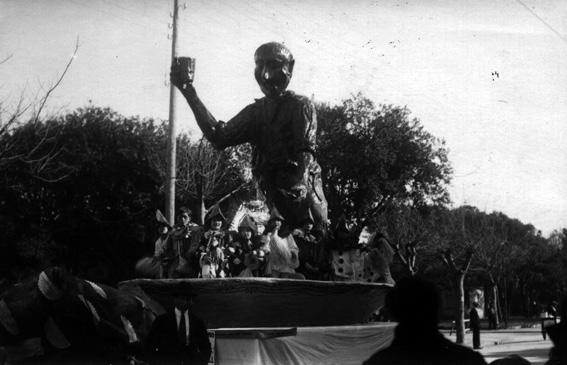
(526, 342)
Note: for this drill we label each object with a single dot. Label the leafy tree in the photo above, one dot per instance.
(537, 273)
(558, 238)
(91, 217)
(372, 157)
(90, 204)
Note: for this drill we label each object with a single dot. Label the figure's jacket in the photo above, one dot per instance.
(282, 131)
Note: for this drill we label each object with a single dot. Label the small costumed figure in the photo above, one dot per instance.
(185, 239)
(156, 266)
(161, 246)
(255, 260)
(310, 249)
(212, 260)
(211, 251)
(242, 245)
(283, 251)
(379, 258)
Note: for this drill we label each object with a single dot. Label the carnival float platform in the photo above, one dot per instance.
(269, 302)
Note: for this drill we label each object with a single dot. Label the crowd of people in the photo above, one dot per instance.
(189, 250)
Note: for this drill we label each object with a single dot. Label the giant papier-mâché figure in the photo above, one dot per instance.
(281, 127)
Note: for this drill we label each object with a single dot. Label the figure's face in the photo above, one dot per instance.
(308, 226)
(185, 219)
(277, 224)
(216, 224)
(274, 67)
(246, 234)
(163, 230)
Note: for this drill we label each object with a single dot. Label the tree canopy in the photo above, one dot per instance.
(374, 156)
(85, 197)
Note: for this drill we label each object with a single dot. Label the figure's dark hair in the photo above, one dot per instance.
(414, 301)
(275, 48)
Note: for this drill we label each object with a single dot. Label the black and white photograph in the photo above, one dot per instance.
(273, 182)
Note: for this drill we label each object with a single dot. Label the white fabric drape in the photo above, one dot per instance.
(312, 345)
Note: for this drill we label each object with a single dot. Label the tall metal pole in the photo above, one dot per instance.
(171, 142)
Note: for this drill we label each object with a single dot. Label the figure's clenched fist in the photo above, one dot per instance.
(182, 72)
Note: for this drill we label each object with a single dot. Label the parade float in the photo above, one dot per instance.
(253, 320)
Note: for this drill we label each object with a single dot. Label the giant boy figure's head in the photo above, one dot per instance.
(274, 67)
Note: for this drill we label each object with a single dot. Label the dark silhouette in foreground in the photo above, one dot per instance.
(511, 360)
(56, 317)
(414, 304)
(558, 334)
(179, 337)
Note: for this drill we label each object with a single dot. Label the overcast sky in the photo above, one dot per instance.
(506, 132)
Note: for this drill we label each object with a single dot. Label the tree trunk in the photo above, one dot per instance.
(494, 298)
(460, 320)
(505, 304)
(496, 304)
(202, 211)
(458, 275)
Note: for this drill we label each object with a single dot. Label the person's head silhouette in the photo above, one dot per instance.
(511, 360)
(414, 302)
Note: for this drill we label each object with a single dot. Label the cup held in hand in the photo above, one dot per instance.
(185, 67)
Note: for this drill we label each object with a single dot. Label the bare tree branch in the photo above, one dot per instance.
(40, 162)
(54, 86)
(6, 59)
(468, 260)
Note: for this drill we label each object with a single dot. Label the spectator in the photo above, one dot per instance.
(558, 334)
(414, 304)
(475, 325)
(552, 309)
(492, 316)
(179, 334)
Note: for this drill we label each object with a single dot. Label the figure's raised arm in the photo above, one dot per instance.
(220, 134)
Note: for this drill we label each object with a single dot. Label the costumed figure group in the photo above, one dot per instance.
(260, 249)
(191, 251)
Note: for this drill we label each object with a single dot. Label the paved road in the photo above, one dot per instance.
(526, 342)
